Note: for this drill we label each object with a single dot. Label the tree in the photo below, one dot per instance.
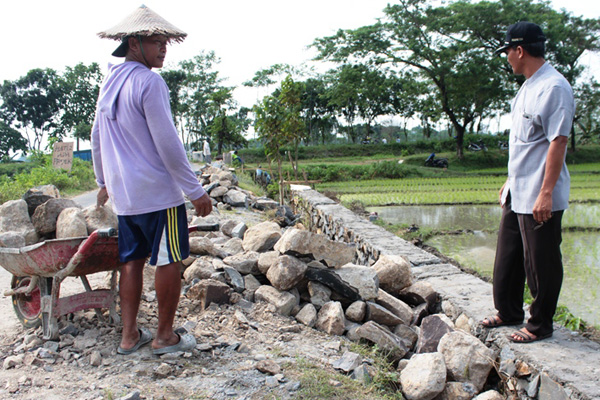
(268, 122)
(587, 115)
(342, 96)
(450, 49)
(318, 114)
(175, 80)
(11, 140)
(81, 86)
(33, 103)
(293, 126)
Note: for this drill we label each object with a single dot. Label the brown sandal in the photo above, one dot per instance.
(524, 337)
(495, 322)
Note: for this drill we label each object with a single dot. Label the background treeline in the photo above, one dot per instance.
(419, 62)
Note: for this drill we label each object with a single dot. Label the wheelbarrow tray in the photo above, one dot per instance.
(45, 265)
(46, 259)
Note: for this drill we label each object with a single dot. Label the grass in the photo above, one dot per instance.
(318, 382)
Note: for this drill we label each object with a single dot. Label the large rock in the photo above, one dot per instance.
(202, 245)
(262, 237)
(331, 318)
(381, 315)
(38, 195)
(330, 279)
(394, 273)
(236, 198)
(467, 358)
(489, 395)
(286, 272)
(218, 191)
(100, 218)
(433, 328)
(244, 263)
(264, 203)
(266, 261)
(302, 243)
(424, 377)
(383, 338)
(45, 216)
(232, 246)
(12, 239)
(395, 306)
(319, 293)
(307, 315)
(363, 279)
(71, 223)
(14, 217)
(209, 291)
(356, 311)
(201, 268)
(283, 301)
(418, 293)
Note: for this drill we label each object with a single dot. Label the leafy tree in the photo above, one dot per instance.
(11, 140)
(342, 96)
(175, 80)
(450, 49)
(293, 127)
(81, 86)
(319, 118)
(33, 103)
(268, 122)
(587, 115)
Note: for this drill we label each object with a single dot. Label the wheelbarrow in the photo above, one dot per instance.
(39, 269)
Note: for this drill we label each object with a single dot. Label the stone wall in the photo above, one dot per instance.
(565, 366)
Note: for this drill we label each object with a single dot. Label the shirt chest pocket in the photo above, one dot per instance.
(529, 130)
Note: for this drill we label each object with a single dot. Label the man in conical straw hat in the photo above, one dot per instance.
(141, 164)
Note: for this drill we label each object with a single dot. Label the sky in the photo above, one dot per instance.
(247, 35)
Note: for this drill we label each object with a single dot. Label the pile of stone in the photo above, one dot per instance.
(313, 279)
(42, 214)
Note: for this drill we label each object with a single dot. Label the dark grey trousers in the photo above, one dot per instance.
(528, 252)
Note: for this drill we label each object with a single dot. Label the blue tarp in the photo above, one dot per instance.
(85, 155)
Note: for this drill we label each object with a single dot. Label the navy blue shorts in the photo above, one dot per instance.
(161, 234)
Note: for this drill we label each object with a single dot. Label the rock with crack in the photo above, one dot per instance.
(15, 218)
(330, 318)
(244, 263)
(261, 237)
(305, 243)
(394, 273)
(330, 279)
(283, 301)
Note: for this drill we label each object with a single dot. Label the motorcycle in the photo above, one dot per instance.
(503, 145)
(431, 161)
(477, 146)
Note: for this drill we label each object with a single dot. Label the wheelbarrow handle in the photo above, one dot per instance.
(203, 228)
(107, 232)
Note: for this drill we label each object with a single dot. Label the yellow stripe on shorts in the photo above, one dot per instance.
(173, 234)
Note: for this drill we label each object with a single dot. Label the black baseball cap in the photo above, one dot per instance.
(121, 51)
(522, 33)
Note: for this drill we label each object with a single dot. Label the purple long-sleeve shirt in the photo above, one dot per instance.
(137, 153)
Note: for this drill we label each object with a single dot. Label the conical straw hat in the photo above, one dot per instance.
(144, 22)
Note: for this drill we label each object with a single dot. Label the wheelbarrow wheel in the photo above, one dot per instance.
(28, 307)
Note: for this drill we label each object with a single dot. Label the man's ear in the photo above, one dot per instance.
(520, 51)
(134, 43)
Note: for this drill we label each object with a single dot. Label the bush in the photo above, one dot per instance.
(80, 178)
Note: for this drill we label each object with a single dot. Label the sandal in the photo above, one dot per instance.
(495, 322)
(145, 337)
(524, 337)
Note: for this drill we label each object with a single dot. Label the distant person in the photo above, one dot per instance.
(141, 164)
(263, 177)
(236, 159)
(537, 190)
(384, 141)
(206, 152)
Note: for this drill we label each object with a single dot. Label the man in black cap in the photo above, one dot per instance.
(537, 189)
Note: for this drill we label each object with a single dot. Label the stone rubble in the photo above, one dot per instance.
(258, 286)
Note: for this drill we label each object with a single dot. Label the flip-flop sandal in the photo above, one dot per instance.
(495, 322)
(186, 343)
(145, 337)
(524, 337)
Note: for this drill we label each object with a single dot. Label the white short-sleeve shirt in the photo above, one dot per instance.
(542, 110)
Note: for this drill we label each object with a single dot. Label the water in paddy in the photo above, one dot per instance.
(477, 248)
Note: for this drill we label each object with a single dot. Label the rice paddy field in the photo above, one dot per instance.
(479, 188)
